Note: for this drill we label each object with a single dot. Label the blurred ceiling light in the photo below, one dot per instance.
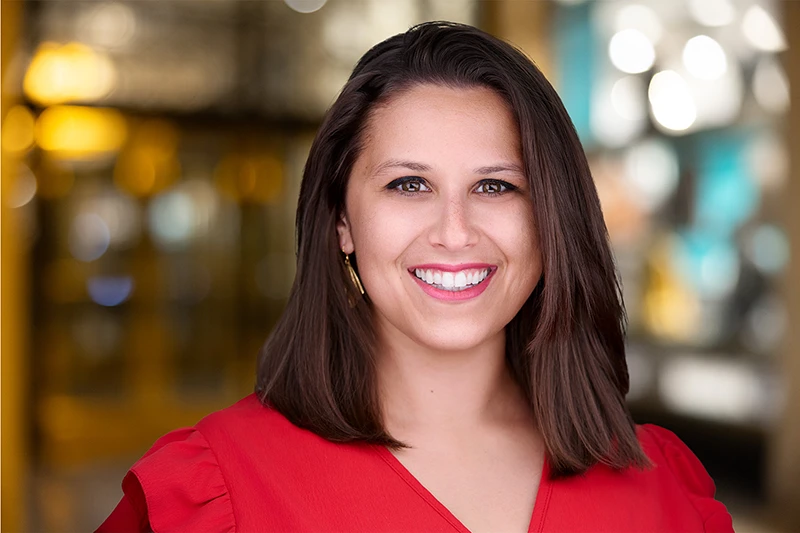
(305, 6)
(704, 58)
(712, 12)
(23, 188)
(69, 73)
(771, 86)
(18, 127)
(651, 172)
(71, 132)
(717, 389)
(618, 112)
(671, 101)
(110, 25)
(171, 218)
(767, 247)
(109, 291)
(631, 51)
(639, 17)
(762, 31)
(89, 237)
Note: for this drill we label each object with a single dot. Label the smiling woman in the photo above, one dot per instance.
(452, 354)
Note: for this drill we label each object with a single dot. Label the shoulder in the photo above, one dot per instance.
(674, 494)
(182, 481)
(678, 469)
(178, 485)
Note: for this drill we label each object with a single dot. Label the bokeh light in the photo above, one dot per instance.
(71, 132)
(68, 73)
(18, 130)
(704, 58)
(671, 102)
(631, 51)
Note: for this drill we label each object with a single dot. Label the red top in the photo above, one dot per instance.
(246, 468)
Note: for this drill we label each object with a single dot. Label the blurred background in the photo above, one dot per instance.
(151, 158)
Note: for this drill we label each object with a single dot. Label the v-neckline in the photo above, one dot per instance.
(539, 506)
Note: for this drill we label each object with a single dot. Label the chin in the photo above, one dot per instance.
(453, 340)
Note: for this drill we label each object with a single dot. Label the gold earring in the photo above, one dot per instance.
(353, 275)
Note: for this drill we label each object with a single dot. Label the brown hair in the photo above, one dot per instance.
(566, 345)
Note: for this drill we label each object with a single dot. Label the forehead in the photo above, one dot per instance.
(433, 122)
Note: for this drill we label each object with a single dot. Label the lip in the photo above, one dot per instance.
(451, 268)
(454, 296)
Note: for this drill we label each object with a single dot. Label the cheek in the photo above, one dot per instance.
(381, 235)
(514, 232)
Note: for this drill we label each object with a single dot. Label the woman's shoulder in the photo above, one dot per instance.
(674, 494)
(676, 466)
(181, 482)
(177, 484)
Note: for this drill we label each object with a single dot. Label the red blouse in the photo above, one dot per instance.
(246, 468)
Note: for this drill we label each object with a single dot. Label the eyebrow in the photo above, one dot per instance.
(422, 167)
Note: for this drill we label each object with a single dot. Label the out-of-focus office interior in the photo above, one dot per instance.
(151, 158)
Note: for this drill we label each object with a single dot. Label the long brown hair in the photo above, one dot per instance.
(566, 345)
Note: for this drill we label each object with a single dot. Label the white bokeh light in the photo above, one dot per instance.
(639, 17)
(631, 51)
(651, 171)
(762, 31)
(771, 86)
(671, 102)
(305, 6)
(704, 58)
(712, 12)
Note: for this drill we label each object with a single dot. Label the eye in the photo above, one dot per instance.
(408, 185)
(494, 187)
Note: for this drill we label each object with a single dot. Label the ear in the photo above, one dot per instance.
(345, 237)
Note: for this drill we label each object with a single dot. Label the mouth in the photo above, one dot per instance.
(458, 281)
(453, 282)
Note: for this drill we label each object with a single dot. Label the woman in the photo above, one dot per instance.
(451, 357)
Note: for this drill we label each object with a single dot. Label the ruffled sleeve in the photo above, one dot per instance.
(176, 486)
(692, 476)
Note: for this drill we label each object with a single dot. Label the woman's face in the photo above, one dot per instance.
(438, 212)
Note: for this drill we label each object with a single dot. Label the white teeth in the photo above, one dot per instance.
(452, 281)
(448, 280)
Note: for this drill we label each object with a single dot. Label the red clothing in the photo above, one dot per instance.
(246, 468)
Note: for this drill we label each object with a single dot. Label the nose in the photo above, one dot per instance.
(454, 228)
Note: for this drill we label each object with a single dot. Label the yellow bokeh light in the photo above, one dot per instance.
(17, 135)
(72, 72)
(71, 132)
(150, 163)
(671, 311)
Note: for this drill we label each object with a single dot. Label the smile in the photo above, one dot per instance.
(452, 281)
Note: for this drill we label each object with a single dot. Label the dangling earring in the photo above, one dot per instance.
(353, 275)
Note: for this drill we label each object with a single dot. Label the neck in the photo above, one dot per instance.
(428, 390)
